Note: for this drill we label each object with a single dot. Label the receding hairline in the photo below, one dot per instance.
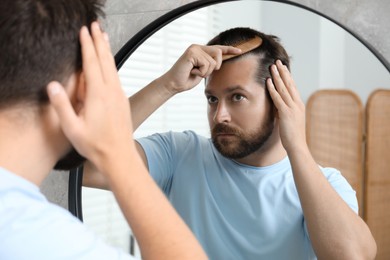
(254, 56)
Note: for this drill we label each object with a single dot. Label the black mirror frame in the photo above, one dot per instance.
(76, 175)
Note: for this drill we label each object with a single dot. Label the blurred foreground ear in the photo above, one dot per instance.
(80, 90)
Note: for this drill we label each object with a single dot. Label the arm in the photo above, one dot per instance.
(105, 116)
(336, 232)
(197, 62)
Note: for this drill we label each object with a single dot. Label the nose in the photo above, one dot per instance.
(222, 114)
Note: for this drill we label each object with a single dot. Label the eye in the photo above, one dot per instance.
(212, 100)
(237, 97)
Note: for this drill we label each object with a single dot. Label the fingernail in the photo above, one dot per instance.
(54, 88)
(269, 82)
(275, 69)
(84, 29)
(95, 26)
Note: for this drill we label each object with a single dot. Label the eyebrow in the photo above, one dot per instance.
(228, 90)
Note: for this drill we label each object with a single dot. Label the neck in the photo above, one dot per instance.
(26, 146)
(271, 152)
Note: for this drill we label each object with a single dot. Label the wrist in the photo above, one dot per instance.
(167, 86)
(300, 150)
(107, 161)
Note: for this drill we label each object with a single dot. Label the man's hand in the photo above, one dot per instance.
(103, 123)
(290, 108)
(197, 62)
(101, 131)
(336, 234)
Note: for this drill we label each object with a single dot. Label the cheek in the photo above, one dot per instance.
(245, 117)
(252, 115)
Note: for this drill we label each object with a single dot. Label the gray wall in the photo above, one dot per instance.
(367, 18)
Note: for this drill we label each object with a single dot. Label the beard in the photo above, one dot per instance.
(244, 143)
(70, 161)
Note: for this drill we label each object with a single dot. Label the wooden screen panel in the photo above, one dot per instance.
(377, 173)
(334, 131)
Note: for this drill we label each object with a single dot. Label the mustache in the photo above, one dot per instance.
(224, 129)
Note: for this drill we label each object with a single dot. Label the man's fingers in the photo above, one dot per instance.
(218, 52)
(228, 49)
(276, 98)
(212, 64)
(206, 59)
(196, 72)
(203, 65)
(61, 104)
(91, 66)
(280, 85)
(288, 80)
(218, 59)
(106, 60)
(202, 71)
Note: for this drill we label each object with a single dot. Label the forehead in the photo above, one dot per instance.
(238, 72)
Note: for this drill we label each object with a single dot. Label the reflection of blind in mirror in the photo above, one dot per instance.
(155, 56)
(318, 61)
(102, 214)
(184, 111)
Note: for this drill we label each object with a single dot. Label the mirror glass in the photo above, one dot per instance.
(323, 55)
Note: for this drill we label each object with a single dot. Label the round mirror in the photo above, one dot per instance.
(323, 56)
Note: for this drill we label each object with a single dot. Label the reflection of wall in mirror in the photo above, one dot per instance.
(323, 56)
(155, 56)
(151, 60)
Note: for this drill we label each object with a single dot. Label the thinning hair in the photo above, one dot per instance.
(268, 52)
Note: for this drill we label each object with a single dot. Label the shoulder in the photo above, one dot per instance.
(341, 186)
(335, 178)
(332, 174)
(32, 223)
(185, 137)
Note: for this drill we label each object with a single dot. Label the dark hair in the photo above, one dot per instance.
(268, 52)
(39, 43)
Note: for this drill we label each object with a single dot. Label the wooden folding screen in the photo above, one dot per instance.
(377, 170)
(334, 131)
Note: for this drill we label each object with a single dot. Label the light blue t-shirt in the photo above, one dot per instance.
(33, 228)
(236, 211)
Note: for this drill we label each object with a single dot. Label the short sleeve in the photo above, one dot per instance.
(160, 157)
(32, 229)
(163, 152)
(342, 187)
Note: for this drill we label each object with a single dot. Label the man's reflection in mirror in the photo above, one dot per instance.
(252, 190)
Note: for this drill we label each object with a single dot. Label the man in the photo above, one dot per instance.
(252, 191)
(54, 95)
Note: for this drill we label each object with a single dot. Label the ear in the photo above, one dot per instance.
(80, 91)
(76, 90)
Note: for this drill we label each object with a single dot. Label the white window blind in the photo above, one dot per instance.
(183, 112)
(155, 56)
